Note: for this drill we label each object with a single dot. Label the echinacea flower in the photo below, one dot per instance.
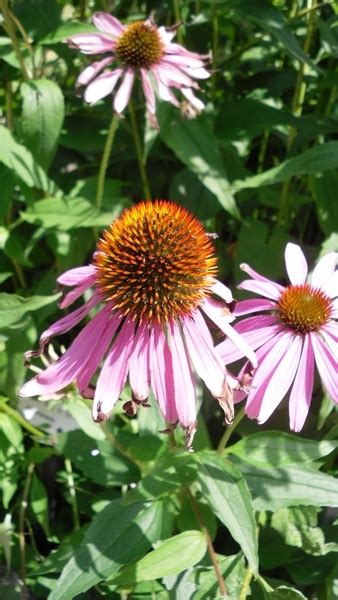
(143, 49)
(154, 273)
(297, 331)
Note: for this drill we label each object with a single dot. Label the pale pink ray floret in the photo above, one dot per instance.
(162, 66)
(296, 331)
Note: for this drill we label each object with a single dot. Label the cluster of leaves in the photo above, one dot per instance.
(121, 510)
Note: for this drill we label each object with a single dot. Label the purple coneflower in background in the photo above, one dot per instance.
(298, 330)
(154, 272)
(139, 48)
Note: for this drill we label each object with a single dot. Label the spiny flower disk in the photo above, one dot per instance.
(140, 45)
(155, 262)
(304, 308)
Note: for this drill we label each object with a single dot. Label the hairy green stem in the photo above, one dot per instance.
(105, 160)
(229, 431)
(215, 41)
(10, 29)
(139, 153)
(211, 550)
(245, 589)
(72, 493)
(22, 515)
(177, 13)
(14, 414)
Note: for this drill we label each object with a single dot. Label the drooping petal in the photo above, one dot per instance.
(149, 95)
(91, 43)
(215, 312)
(326, 365)
(247, 269)
(183, 61)
(123, 93)
(107, 23)
(324, 269)
(139, 369)
(184, 384)
(205, 359)
(161, 374)
(163, 90)
(268, 289)
(76, 276)
(90, 72)
(296, 264)
(166, 35)
(301, 392)
(114, 372)
(281, 380)
(64, 371)
(102, 86)
(330, 286)
(192, 99)
(170, 75)
(222, 291)
(246, 307)
(254, 337)
(69, 298)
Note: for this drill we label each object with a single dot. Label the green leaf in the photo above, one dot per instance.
(39, 17)
(193, 142)
(274, 448)
(39, 503)
(13, 307)
(20, 160)
(67, 30)
(233, 572)
(117, 535)
(284, 592)
(42, 117)
(173, 556)
(299, 527)
(323, 157)
(99, 460)
(227, 493)
(72, 213)
(274, 488)
(324, 189)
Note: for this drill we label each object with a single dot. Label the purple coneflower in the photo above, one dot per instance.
(139, 48)
(298, 331)
(154, 272)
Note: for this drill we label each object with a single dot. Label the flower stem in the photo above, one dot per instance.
(229, 431)
(22, 515)
(177, 13)
(105, 160)
(10, 29)
(139, 153)
(246, 584)
(14, 414)
(72, 493)
(211, 550)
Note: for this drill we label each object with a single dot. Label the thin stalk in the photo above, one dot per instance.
(22, 514)
(297, 108)
(26, 40)
(245, 589)
(19, 273)
(9, 105)
(112, 439)
(139, 153)
(211, 550)
(262, 150)
(72, 493)
(5, 408)
(10, 29)
(215, 40)
(229, 431)
(105, 160)
(177, 13)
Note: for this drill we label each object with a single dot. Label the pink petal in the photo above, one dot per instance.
(65, 369)
(107, 23)
(296, 264)
(183, 379)
(326, 365)
(172, 76)
(324, 269)
(139, 370)
(76, 276)
(85, 375)
(183, 61)
(205, 359)
(335, 309)
(91, 43)
(163, 90)
(194, 101)
(259, 277)
(148, 92)
(123, 94)
(114, 372)
(215, 312)
(301, 392)
(330, 286)
(281, 379)
(222, 291)
(166, 35)
(245, 307)
(255, 338)
(161, 374)
(102, 86)
(69, 298)
(92, 70)
(268, 289)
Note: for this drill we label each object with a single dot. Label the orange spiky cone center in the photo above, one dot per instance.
(304, 308)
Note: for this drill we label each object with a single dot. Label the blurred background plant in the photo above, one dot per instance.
(259, 168)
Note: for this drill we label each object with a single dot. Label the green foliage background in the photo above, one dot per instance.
(118, 510)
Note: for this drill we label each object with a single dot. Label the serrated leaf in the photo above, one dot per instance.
(67, 214)
(193, 142)
(117, 535)
(13, 307)
(274, 448)
(274, 487)
(173, 556)
(42, 117)
(228, 495)
(19, 159)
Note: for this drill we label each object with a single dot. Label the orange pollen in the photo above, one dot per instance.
(140, 45)
(155, 262)
(304, 308)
